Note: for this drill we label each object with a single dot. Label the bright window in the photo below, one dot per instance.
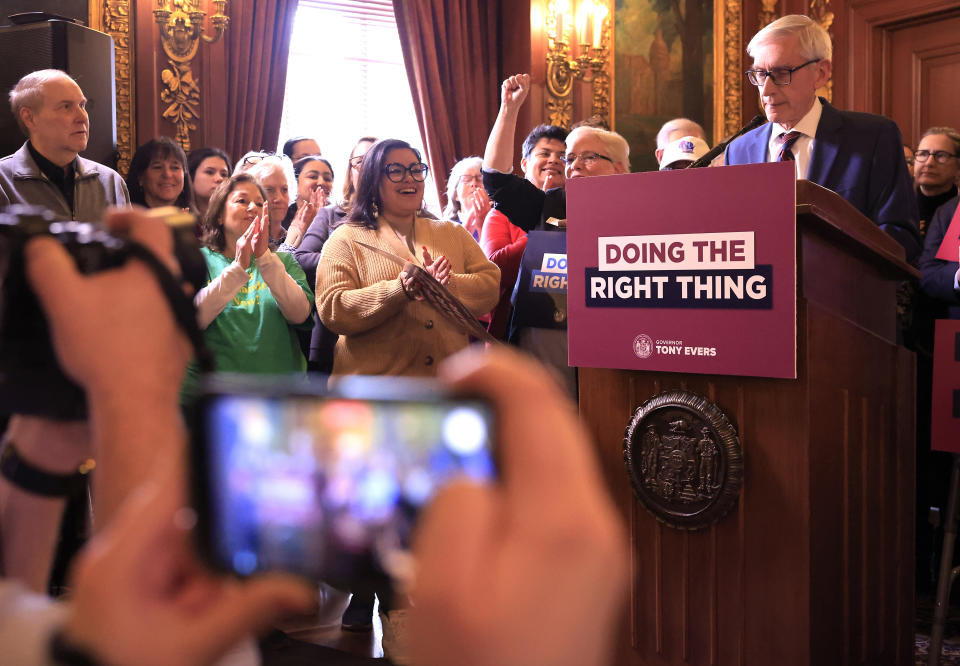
(346, 79)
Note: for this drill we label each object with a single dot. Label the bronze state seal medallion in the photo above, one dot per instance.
(684, 460)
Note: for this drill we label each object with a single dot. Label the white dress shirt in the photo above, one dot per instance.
(803, 147)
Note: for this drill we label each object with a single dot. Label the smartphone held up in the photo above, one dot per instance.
(288, 476)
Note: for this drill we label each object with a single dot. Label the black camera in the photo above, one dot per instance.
(31, 380)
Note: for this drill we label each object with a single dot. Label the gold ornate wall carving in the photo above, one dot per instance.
(182, 25)
(728, 67)
(820, 12)
(182, 95)
(768, 12)
(115, 18)
(601, 105)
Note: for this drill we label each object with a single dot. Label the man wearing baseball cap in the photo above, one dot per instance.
(681, 153)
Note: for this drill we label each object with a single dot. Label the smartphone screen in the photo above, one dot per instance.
(315, 485)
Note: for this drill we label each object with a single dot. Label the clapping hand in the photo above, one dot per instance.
(245, 245)
(261, 235)
(476, 206)
(439, 269)
(306, 211)
(320, 197)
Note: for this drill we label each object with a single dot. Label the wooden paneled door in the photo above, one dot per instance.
(907, 55)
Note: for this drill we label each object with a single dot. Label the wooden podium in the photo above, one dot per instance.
(815, 563)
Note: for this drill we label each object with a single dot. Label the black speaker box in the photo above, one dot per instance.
(84, 54)
(71, 9)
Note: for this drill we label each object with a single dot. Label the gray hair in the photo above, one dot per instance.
(948, 132)
(262, 169)
(614, 144)
(28, 93)
(814, 41)
(687, 126)
(452, 209)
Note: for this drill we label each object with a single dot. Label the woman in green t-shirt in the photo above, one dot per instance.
(254, 298)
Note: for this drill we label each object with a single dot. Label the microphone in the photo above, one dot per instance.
(722, 146)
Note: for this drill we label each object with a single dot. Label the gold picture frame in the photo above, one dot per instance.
(651, 84)
(727, 68)
(115, 17)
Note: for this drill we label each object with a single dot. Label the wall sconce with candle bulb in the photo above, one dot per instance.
(182, 25)
(590, 24)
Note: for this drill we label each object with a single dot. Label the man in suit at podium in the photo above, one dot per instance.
(857, 155)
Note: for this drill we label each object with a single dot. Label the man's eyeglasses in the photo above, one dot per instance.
(941, 156)
(588, 156)
(470, 179)
(355, 162)
(396, 172)
(781, 76)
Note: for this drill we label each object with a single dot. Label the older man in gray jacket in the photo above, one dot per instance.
(47, 171)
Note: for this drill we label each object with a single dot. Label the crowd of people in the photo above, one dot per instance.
(299, 277)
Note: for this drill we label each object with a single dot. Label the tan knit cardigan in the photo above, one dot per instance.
(360, 297)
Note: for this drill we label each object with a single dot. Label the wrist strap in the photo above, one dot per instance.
(34, 480)
(182, 305)
(64, 653)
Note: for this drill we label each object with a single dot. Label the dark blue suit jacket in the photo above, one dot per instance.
(860, 157)
(938, 275)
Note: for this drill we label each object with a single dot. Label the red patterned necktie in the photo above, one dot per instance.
(787, 141)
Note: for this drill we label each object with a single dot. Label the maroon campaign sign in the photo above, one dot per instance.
(684, 271)
(945, 412)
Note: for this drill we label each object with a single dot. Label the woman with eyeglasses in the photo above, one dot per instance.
(250, 159)
(307, 253)
(383, 326)
(538, 322)
(331, 216)
(936, 167)
(375, 308)
(254, 298)
(467, 201)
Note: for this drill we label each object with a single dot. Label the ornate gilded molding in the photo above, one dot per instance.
(768, 12)
(728, 67)
(601, 105)
(820, 12)
(593, 65)
(182, 95)
(559, 110)
(114, 17)
(181, 24)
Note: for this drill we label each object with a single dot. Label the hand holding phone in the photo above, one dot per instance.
(295, 479)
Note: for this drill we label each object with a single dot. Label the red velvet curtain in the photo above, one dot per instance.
(257, 50)
(450, 52)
